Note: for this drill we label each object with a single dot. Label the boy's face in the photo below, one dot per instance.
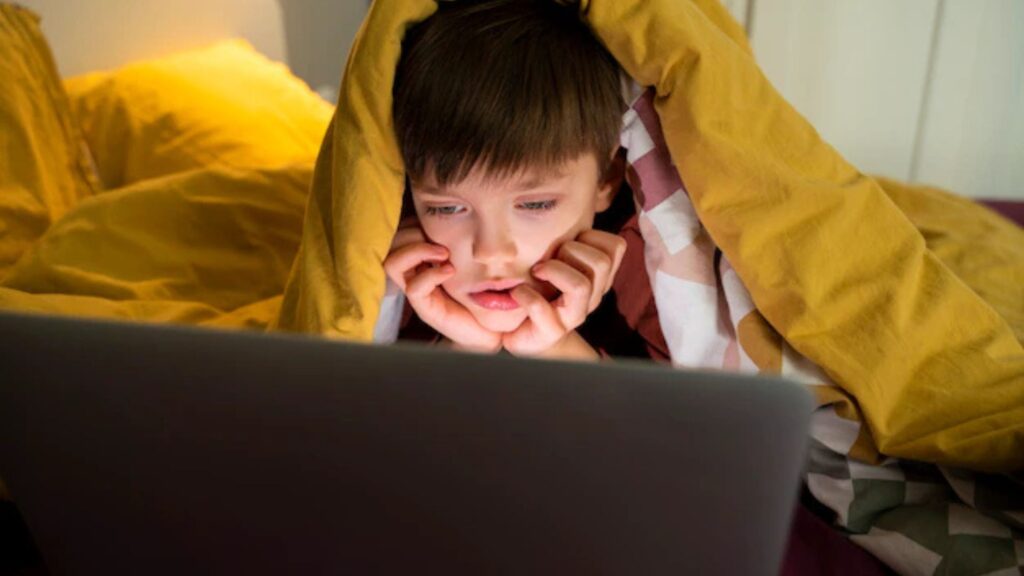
(496, 230)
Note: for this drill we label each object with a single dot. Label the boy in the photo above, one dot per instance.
(508, 115)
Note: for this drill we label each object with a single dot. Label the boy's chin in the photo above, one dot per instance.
(501, 321)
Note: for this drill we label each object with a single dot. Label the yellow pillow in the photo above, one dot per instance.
(44, 168)
(224, 105)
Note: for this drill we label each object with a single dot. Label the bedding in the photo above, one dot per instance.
(217, 144)
(983, 247)
(209, 247)
(829, 260)
(44, 166)
(822, 277)
(224, 105)
(826, 274)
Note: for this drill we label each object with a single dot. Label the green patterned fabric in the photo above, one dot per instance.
(922, 519)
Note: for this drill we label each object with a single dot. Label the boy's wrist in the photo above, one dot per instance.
(571, 347)
(466, 348)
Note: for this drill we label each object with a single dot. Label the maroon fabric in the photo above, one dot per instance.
(816, 549)
(1010, 209)
(634, 298)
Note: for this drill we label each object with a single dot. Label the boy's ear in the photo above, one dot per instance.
(612, 181)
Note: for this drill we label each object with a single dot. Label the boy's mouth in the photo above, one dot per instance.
(495, 299)
(495, 294)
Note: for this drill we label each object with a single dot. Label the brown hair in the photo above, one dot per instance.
(503, 85)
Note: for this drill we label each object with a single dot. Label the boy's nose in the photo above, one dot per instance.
(492, 247)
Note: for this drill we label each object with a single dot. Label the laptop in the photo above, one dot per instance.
(141, 449)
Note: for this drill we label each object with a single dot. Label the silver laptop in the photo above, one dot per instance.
(132, 449)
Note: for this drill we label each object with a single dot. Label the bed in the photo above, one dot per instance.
(173, 188)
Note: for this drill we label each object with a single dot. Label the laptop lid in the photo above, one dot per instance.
(169, 450)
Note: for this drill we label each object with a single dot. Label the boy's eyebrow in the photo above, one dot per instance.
(535, 182)
(538, 179)
(432, 191)
(531, 182)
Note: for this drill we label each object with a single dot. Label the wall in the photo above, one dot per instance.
(972, 129)
(921, 90)
(94, 34)
(319, 35)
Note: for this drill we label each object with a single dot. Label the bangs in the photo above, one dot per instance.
(504, 86)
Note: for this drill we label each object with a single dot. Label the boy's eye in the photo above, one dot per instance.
(538, 205)
(443, 210)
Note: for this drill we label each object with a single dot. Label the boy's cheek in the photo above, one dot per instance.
(454, 256)
(448, 292)
(552, 251)
(430, 231)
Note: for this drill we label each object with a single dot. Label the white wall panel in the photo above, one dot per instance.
(738, 8)
(320, 34)
(855, 68)
(972, 139)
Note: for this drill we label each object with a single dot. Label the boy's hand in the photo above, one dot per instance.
(583, 270)
(419, 268)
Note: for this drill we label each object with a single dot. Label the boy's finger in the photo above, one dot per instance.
(539, 310)
(408, 233)
(421, 285)
(611, 244)
(402, 261)
(592, 262)
(575, 287)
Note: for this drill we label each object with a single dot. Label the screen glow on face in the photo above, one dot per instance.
(497, 229)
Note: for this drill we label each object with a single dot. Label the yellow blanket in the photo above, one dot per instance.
(210, 247)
